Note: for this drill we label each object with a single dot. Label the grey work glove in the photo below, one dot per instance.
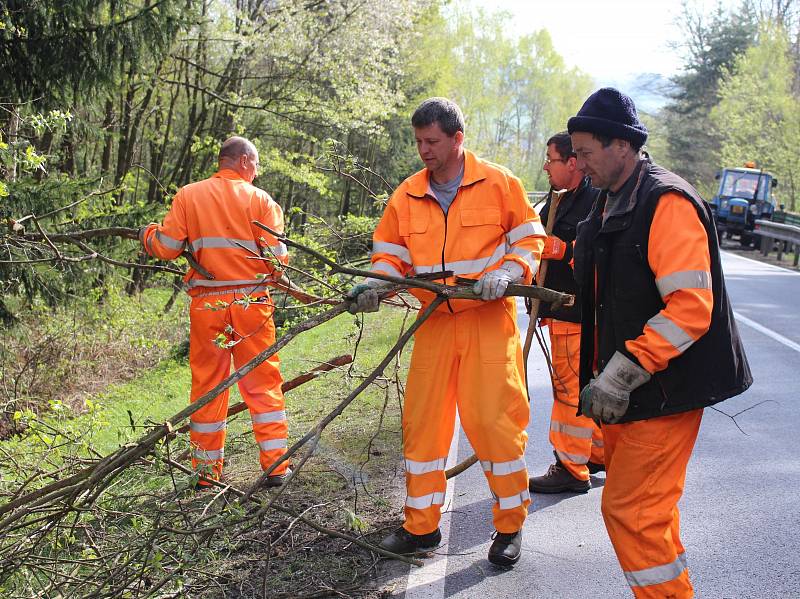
(363, 297)
(606, 397)
(493, 284)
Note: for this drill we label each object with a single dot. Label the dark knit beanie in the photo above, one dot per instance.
(611, 113)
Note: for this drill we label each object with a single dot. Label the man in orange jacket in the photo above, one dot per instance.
(577, 440)
(460, 217)
(658, 341)
(231, 314)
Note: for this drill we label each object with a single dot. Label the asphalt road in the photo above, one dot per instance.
(740, 511)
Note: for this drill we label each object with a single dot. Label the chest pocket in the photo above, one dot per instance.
(476, 217)
(416, 225)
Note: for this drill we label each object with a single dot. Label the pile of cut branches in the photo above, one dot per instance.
(61, 522)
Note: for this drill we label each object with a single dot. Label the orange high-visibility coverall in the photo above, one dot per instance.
(213, 219)
(576, 440)
(646, 460)
(468, 353)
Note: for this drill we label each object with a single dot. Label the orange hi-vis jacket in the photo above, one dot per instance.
(489, 222)
(213, 220)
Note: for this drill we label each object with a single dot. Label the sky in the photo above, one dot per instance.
(611, 40)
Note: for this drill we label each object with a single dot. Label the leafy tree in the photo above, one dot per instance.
(515, 92)
(758, 116)
(711, 44)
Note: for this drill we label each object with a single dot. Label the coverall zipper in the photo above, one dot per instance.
(444, 243)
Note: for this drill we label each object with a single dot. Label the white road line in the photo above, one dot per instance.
(768, 332)
(782, 269)
(427, 582)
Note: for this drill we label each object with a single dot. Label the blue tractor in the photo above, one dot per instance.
(744, 195)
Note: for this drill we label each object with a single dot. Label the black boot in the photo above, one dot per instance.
(595, 467)
(506, 548)
(277, 480)
(403, 542)
(558, 480)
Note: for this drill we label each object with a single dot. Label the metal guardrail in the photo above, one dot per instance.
(787, 236)
(786, 218)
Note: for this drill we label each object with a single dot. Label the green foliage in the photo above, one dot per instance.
(712, 44)
(758, 115)
(51, 358)
(515, 92)
(50, 50)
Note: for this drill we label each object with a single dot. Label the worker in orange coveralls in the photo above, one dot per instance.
(577, 440)
(213, 220)
(658, 342)
(471, 218)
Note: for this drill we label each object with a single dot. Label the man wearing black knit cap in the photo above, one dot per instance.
(658, 338)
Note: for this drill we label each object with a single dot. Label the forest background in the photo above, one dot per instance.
(107, 107)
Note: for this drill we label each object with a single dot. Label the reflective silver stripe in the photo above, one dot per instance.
(684, 279)
(223, 242)
(208, 427)
(503, 468)
(528, 257)
(525, 230)
(384, 247)
(465, 267)
(278, 416)
(415, 467)
(278, 250)
(207, 283)
(507, 503)
(208, 455)
(424, 501)
(571, 457)
(679, 338)
(598, 443)
(683, 560)
(385, 268)
(657, 574)
(579, 432)
(175, 244)
(272, 444)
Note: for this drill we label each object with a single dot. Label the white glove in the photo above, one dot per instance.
(363, 297)
(606, 398)
(493, 284)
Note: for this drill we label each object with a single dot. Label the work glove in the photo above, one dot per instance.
(493, 284)
(606, 397)
(554, 248)
(363, 297)
(142, 231)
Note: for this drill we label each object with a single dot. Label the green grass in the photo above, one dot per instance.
(122, 413)
(124, 516)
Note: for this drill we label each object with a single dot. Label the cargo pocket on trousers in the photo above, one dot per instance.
(498, 336)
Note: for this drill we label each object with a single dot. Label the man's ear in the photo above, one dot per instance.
(623, 145)
(572, 163)
(459, 137)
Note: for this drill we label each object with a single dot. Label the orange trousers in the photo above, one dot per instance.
(471, 360)
(645, 474)
(251, 330)
(575, 439)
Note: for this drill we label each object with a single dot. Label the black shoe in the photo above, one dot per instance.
(403, 542)
(558, 480)
(277, 480)
(595, 467)
(506, 548)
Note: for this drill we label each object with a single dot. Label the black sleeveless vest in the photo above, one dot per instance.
(625, 297)
(574, 207)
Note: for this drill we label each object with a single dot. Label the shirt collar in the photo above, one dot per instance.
(474, 170)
